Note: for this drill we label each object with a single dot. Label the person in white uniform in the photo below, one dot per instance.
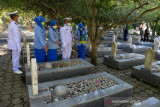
(14, 41)
(66, 35)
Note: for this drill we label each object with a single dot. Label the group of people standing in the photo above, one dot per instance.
(144, 32)
(46, 50)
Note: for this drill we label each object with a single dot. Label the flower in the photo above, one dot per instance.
(97, 81)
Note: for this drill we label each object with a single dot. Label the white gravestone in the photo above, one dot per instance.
(113, 38)
(156, 44)
(130, 41)
(149, 58)
(28, 55)
(139, 39)
(34, 76)
(114, 49)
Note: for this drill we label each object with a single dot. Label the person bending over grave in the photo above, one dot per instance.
(66, 39)
(81, 37)
(14, 41)
(52, 42)
(40, 47)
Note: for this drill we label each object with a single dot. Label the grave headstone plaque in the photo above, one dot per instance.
(149, 58)
(139, 39)
(114, 49)
(130, 41)
(113, 38)
(28, 54)
(156, 44)
(34, 75)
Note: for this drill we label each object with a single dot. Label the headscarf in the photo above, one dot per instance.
(39, 20)
(52, 23)
(80, 25)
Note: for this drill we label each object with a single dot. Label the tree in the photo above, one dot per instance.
(152, 19)
(98, 13)
(95, 13)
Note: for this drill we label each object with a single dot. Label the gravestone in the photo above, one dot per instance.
(156, 44)
(149, 58)
(28, 55)
(136, 49)
(114, 49)
(122, 61)
(150, 71)
(34, 75)
(149, 44)
(24, 41)
(95, 98)
(102, 50)
(113, 38)
(139, 39)
(120, 45)
(130, 41)
(60, 70)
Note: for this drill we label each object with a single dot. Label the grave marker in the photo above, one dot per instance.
(114, 49)
(156, 44)
(149, 58)
(28, 54)
(130, 41)
(34, 75)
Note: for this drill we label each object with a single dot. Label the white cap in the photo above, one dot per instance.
(68, 18)
(16, 12)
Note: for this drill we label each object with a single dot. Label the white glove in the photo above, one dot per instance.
(19, 50)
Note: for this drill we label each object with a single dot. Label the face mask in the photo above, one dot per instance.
(43, 23)
(54, 27)
(68, 24)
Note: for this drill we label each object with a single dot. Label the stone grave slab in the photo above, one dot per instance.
(90, 98)
(150, 44)
(136, 49)
(150, 102)
(122, 61)
(101, 51)
(60, 70)
(119, 45)
(151, 76)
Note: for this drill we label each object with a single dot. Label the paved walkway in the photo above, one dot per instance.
(13, 92)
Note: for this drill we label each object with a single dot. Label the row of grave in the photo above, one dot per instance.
(77, 80)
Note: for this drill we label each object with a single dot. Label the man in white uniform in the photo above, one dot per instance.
(66, 39)
(14, 41)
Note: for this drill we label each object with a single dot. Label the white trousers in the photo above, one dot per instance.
(15, 60)
(66, 52)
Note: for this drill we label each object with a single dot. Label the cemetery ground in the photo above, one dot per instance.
(14, 92)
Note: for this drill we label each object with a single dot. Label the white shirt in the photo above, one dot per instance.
(14, 38)
(66, 35)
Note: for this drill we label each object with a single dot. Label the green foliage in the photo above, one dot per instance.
(158, 29)
(130, 26)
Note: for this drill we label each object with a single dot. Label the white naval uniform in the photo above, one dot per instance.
(66, 41)
(14, 43)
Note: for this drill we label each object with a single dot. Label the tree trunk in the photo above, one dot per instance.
(94, 54)
(117, 32)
